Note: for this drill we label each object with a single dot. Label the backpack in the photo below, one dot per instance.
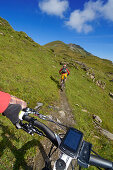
(64, 70)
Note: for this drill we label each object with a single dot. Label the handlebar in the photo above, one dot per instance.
(100, 162)
(94, 160)
(48, 132)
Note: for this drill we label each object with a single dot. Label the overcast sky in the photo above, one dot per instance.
(88, 23)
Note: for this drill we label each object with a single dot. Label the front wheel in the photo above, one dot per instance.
(62, 84)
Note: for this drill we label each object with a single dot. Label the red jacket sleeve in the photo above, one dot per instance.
(68, 71)
(60, 70)
(4, 101)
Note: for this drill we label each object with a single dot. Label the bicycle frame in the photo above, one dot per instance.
(63, 83)
(64, 160)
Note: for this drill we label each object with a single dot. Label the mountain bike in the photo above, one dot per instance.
(63, 83)
(71, 145)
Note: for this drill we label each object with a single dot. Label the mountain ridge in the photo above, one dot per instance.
(73, 47)
(31, 72)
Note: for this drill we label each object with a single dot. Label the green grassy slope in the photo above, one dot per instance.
(26, 69)
(84, 96)
(30, 71)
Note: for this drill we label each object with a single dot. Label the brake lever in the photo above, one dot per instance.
(43, 117)
(32, 111)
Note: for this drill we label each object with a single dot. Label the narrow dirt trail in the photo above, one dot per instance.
(68, 118)
(65, 116)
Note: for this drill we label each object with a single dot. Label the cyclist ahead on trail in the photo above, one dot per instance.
(64, 72)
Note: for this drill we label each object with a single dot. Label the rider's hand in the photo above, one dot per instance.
(12, 112)
(15, 100)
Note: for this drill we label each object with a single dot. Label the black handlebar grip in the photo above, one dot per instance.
(100, 162)
(48, 132)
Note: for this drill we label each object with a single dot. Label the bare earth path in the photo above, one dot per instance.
(64, 115)
(68, 116)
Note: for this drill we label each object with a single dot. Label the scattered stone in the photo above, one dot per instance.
(92, 76)
(62, 113)
(96, 137)
(97, 118)
(111, 94)
(77, 105)
(1, 33)
(107, 133)
(85, 68)
(38, 105)
(50, 117)
(73, 65)
(84, 110)
(101, 84)
(58, 120)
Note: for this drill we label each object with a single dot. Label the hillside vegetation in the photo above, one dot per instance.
(30, 72)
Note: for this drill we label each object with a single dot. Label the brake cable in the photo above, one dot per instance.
(43, 117)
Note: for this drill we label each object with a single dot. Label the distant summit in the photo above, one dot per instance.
(78, 48)
(68, 49)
